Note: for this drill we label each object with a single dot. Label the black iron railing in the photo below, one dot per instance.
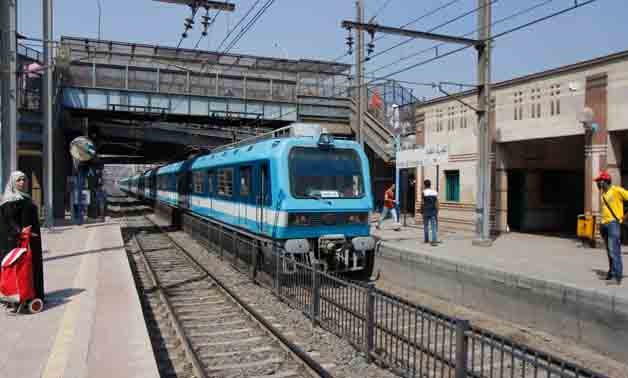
(412, 340)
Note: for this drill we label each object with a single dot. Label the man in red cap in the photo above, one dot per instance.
(612, 211)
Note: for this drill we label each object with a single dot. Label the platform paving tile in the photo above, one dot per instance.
(92, 325)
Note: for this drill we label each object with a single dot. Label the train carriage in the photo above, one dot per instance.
(308, 191)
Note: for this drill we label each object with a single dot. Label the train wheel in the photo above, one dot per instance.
(35, 306)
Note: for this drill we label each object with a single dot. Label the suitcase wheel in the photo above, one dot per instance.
(35, 306)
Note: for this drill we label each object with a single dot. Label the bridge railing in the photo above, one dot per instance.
(286, 88)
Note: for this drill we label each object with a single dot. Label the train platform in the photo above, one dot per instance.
(553, 284)
(92, 324)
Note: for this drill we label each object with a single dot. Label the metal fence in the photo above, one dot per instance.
(412, 340)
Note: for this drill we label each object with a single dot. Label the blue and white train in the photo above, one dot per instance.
(306, 190)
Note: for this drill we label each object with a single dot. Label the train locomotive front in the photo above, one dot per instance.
(326, 206)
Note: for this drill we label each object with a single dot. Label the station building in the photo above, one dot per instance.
(543, 159)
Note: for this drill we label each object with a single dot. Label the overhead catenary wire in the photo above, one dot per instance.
(249, 25)
(439, 26)
(438, 45)
(412, 22)
(380, 10)
(452, 52)
(251, 8)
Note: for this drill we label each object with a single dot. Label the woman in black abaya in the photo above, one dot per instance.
(17, 211)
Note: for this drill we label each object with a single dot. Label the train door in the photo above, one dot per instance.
(245, 194)
(262, 200)
(183, 188)
(185, 184)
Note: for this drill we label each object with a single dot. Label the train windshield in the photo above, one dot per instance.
(325, 173)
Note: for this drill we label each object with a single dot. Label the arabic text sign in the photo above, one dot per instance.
(422, 157)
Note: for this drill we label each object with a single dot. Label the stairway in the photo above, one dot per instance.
(376, 135)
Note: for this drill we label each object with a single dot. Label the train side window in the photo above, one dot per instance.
(245, 181)
(198, 179)
(225, 182)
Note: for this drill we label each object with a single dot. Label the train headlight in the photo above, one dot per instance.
(298, 220)
(360, 218)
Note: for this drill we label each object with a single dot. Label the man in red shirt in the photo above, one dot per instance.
(389, 207)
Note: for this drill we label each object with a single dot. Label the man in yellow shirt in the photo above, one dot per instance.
(612, 211)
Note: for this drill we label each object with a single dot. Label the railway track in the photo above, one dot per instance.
(411, 340)
(198, 328)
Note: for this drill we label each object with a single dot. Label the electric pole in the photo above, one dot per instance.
(359, 74)
(8, 85)
(482, 44)
(483, 226)
(48, 99)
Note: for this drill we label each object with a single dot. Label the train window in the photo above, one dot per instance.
(197, 179)
(320, 173)
(225, 182)
(245, 181)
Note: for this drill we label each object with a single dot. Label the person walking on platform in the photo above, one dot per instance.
(389, 207)
(17, 211)
(430, 213)
(612, 211)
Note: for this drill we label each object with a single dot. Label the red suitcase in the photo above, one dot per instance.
(16, 276)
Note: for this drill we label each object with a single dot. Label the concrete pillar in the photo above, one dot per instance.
(501, 191)
(595, 145)
(496, 168)
(420, 171)
(420, 176)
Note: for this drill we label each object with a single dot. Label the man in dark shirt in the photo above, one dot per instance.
(430, 212)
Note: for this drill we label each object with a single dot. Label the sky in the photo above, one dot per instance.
(311, 29)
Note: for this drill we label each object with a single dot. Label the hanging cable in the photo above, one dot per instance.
(439, 45)
(248, 26)
(377, 12)
(460, 17)
(577, 4)
(412, 22)
(237, 24)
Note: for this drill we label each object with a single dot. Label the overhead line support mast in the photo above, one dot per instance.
(482, 45)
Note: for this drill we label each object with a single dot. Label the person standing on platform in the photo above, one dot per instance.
(612, 211)
(389, 208)
(430, 213)
(17, 211)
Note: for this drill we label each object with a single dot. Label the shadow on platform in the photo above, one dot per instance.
(60, 297)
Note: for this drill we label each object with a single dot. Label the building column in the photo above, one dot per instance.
(420, 171)
(418, 216)
(501, 191)
(497, 170)
(595, 143)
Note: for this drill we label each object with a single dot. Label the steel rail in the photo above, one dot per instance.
(189, 351)
(308, 362)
